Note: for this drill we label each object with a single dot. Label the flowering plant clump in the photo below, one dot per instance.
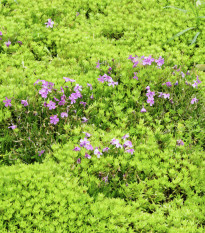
(46, 122)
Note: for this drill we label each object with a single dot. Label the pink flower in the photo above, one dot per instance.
(24, 102)
(143, 110)
(69, 80)
(13, 126)
(180, 142)
(51, 105)
(194, 100)
(135, 76)
(89, 85)
(126, 136)
(101, 79)
(7, 102)
(87, 156)
(8, 43)
(78, 161)
(64, 114)
(160, 61)
(150, 100)
(84, 120)
(77, 148)
(41, 152)
(54, 119)
(128, 144)
(106, 149)
(49, 23)
(130, 151)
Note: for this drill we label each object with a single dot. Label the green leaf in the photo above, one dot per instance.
(180, 33)
(194, 39)
(185, 11)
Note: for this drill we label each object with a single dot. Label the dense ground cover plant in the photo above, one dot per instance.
(117, 140)
(52, 111)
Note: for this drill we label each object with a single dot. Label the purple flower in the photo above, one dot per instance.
(130, 151)
(105, 179)
(131, 57)
(77, 13)
(84, 120)
(150, 100)
(118, 145)
(168, 84)
(188, 72)
(128, 144)
(101, 79)
(78, 161)
(51, 105)
(176, 83)
(91, 97)
(64, 114)
(87, 156)
(89, 85)
(180, 142)
(77, 87)
(41, 152)
(69, 80)
(43, 92)
(49, 23)
(7, 102)
(87, 134)
(19, 42)
(77, 148)
(166, 96)
(195, 85)
(98, 153)
(112, 83)
(160, 94)
(198, 81)
(110, 68)
(182, 74)
(84, 142)
(98, 65)
(150, 94)
(135, 76)
(62, 90)
(88, 147)
(1, 34)
(61, 103)
(126, 136)
(114, 141)
(143, 110)
(148, 60)
(13, 126)
(160, 61)
(147, 88)
(56, 99)
(106, 149)
(54, 119)
(8, 43)
(84, 103)
(24, 102)
(194, 100)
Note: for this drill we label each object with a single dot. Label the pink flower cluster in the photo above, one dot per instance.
(107, 78)
(146, 60)
(86, 144)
